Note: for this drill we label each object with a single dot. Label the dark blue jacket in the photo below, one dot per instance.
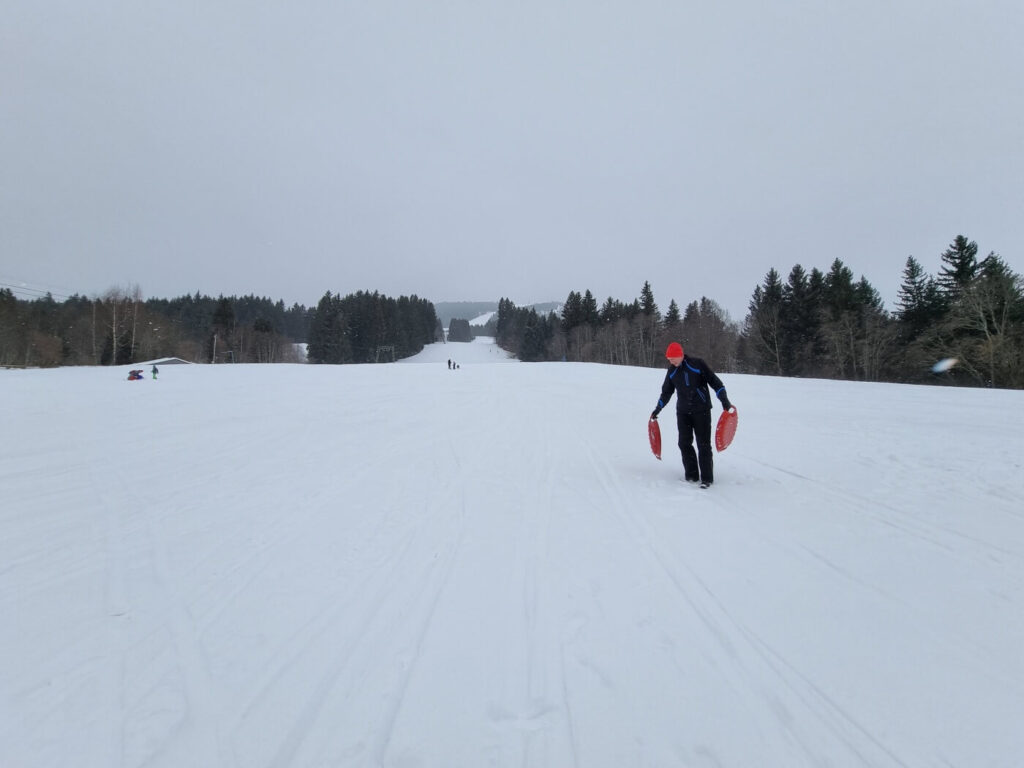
(690, 382)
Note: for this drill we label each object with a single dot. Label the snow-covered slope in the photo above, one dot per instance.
(403, 565)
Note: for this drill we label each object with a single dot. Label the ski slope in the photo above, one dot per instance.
(403, 565)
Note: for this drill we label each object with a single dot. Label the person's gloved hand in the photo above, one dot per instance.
(726, 404)
(654, 414)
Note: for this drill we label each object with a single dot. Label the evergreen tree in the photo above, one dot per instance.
(224, 314)
(572, 311)
(672, 318)
(588, 309)
(296, 322)
(800, 322)
(650, 325)
(503, 329)
(611, 311)
(919, 302)
(690, 329)
(960, 266)
(536, 332)
(763, 326)
(647, 303)
(222, 333)
(839, 294)
(670, 328)
(459, 330)
(865, 296)
(524, 333)
(12, 336)
(327, 332)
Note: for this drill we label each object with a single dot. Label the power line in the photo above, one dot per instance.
(35, 293)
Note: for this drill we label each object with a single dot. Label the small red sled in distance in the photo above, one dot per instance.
(654, 435)
(726, 429)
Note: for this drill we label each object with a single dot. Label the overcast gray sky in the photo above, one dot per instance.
(466, 150)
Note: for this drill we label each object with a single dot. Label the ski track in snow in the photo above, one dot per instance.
(755, 659)
(403, 565)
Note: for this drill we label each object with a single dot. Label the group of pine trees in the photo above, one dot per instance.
(359, 327)
(973, 311)
(120, 328)
(459, 330)
(819, 324)
(616, 333)
(829, 325)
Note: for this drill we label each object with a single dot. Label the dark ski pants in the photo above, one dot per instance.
(690, 425)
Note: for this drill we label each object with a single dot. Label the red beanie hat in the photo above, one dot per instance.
(674, 350)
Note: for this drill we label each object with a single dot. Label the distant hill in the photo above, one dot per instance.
(470, 310)
(547, 306)
(462, 310)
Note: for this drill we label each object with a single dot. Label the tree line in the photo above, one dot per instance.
(361, 327)
(829, 325)
(120, 328)
(818, 324)
(616, 332)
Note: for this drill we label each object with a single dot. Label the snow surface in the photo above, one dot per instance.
(403, 565)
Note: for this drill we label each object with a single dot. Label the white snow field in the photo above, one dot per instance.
(403, 565)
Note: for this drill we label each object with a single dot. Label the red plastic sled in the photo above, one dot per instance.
(654, 433)
(726, 429)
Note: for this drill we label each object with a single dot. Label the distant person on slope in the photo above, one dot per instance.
(689, 377)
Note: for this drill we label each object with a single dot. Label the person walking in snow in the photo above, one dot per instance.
(688, 377)
(155, 371)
